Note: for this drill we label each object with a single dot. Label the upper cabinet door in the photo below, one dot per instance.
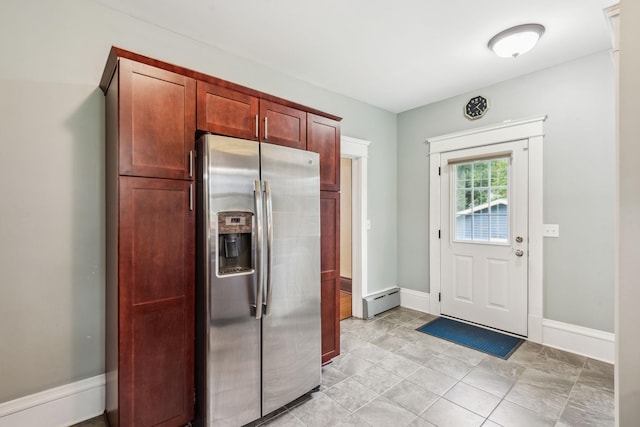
(227, 112)
(282, 125)
(323, 137)
(157, 122)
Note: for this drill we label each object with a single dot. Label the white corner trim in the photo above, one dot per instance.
(434, 232)
(415, 300)
(535, 328)
(611, 4)
(490, 128)
(588, 342)
(354, 147)
(536, 243)
(60, 406)
(509, 130)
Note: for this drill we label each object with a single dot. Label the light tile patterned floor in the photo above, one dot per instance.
(390, 375)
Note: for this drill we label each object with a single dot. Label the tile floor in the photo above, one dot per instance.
(391, 375)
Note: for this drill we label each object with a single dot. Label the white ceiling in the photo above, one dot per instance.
(394, 54)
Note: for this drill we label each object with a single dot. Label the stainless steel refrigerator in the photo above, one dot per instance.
(258, 301)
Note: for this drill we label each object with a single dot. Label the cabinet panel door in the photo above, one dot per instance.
(324, 138)
(283, 125)
(157, 122)
(330, 273)
(161, 391)
(330, 297)
(156, 310)
(227, 112)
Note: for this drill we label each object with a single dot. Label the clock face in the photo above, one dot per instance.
(476, 107)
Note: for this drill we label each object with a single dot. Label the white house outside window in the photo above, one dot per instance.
(481, 202)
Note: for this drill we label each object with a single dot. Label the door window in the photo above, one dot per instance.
(481, 201)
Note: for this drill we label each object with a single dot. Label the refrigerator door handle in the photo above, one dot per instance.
(257, 197)
(267, 192)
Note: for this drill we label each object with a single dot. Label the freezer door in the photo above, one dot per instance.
(291, 363)
(233, 332)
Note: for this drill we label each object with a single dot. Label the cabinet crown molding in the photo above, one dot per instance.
(116, 53)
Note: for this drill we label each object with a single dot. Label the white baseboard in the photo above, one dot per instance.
(588, 342)
(535, 328)
(58, 407)
(580, 340)
(414, 300)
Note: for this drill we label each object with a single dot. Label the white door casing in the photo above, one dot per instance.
(484, 241)
(358, 151)
(530, 129)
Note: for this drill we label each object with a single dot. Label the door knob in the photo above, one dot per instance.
(519, 252)
(519, 239)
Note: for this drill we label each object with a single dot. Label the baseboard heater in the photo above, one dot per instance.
(380, 301)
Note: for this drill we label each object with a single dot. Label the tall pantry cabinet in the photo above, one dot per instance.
(324, 138)
(154, 113)
(150, 129)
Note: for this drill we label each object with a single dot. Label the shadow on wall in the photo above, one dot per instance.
(87, 127)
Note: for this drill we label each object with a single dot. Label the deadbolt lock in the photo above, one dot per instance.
(519, 239)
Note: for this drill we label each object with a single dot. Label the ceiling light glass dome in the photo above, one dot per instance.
(515, 41)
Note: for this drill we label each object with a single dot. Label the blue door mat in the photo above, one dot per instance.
(485, 340)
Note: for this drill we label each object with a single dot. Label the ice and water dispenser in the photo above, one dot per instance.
(234, 243)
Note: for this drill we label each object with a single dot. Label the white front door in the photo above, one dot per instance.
(484, 237)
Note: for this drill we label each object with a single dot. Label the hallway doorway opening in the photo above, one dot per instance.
(357, 151)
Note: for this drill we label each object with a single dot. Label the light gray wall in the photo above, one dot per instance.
(52, 177)
(579, 181)
(628, 314)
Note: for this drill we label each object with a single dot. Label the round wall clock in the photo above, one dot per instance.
(476, 107)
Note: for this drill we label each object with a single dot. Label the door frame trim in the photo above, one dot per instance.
(532, 130)
(358, 151)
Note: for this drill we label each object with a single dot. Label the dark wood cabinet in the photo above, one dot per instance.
(156, 278)
(153, 112)
(324, 138)
(230, 112)
(227, 112)
(330, 273)
(283, 125)
(150, 245)
(156, 122)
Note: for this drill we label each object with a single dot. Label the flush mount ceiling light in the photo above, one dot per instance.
(515, 41)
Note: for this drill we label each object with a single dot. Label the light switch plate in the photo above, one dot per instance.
(551, 230)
